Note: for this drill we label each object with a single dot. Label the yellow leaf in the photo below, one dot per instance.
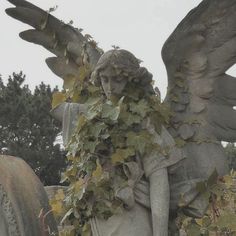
(121, 154)
(69, 82)
(67, 231)
(57, 207)
(86, 230)
(57, 98)
(97, 174)
(78, 184)
(84, 71)
(228, 181)
(199, 221)
(60, 195)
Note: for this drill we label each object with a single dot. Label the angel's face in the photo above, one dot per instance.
(112, 84)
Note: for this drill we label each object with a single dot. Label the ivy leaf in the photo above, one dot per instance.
(121, 155)
(92, 101)
(129, 119)
(97, 173)
(91, 146)
(94, 107)
(86, 231)
(81, 122)
(57, 208)
(97, 129)
(227, 220)
(79, 189)
(138, 140)
(193, 229)
(228, 181)
(57, 99)
(84, 72)
(110, 112)
(69, 82)
(68, 231)
(60, 195)
(180, 142)
(141, 108)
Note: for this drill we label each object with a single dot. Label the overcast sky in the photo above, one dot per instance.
(136, 25)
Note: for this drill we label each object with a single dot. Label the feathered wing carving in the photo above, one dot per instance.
(71, 48)
(197, 56)
(201, 96)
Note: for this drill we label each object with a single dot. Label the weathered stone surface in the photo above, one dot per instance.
(22, 198)
(186, 131)
(199, 51)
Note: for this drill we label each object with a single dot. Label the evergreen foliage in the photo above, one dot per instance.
(27, 129)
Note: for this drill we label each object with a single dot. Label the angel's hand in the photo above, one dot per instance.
(72, 49)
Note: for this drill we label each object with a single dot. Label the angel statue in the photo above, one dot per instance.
(133, 169)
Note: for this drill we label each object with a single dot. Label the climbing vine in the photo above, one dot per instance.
(220, 217)
(108, 135)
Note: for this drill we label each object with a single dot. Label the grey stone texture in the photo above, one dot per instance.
(22, 198)
(200, 95)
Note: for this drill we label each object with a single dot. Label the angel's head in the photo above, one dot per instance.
(116, 68)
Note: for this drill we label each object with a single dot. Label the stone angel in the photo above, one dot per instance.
(200, 96)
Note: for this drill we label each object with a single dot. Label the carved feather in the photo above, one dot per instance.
(197, 56)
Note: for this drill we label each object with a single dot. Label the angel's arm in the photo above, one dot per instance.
(68, 114)
(159, 198)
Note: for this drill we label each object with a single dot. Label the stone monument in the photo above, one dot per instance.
(24, 208)
(197, 55)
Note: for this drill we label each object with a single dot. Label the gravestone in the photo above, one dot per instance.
(24, 208)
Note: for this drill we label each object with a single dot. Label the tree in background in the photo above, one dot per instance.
(27, 129)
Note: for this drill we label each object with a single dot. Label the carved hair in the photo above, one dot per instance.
(122, 64)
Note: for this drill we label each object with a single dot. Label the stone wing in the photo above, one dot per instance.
(197, 56)
(72, 49)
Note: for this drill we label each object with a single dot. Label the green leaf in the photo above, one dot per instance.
(81, 122)
(97, 173)
(227, 220)
(96, 129)
(139, 141)
(94, 107)
(57, 99)
(110, 112)
(121, 155)
(69, 82)
(179, 142)
(129, 119)
(91, 146)
(193, 230)
(141, 108)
